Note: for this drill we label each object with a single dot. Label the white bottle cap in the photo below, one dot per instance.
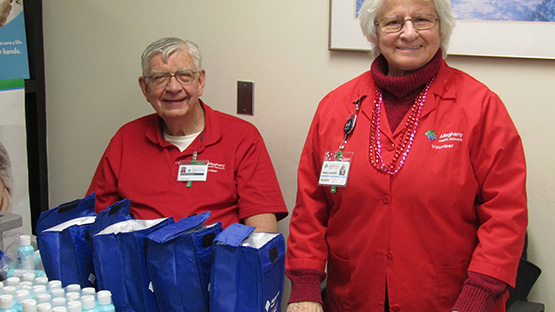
(6, 301)
(21, 295)
(39, 289)
(74, 306)
(24, 240)
(28, 276)
(73, 295)
(58, 293)
(59, 302)
(87, 302)
(10, 290)
(12, 281)
(104, 297)
(59, 309)
(25, 285)
(88, 291)
(44, 298)
(41, 280)
(29, 305)
(54, 284)
(73, 288)
(44, 307)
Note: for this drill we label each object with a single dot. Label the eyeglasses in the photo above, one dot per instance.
(184, 77)
(394, 24)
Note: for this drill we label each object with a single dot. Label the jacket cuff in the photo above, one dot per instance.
(305, 285)
(480, 293)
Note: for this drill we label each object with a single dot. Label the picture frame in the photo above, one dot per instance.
(473, 38)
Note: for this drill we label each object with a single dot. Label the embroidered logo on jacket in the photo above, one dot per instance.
(445, 141)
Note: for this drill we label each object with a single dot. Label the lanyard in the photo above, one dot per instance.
(347, 130)
(350, 125)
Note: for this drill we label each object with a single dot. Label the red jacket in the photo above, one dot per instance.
(458, 204)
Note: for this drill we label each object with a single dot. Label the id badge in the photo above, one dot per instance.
(335, 169)
(196, 170)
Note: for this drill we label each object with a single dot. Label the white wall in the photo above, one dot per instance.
(93, 48)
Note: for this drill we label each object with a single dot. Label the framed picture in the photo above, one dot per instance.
(509, 28)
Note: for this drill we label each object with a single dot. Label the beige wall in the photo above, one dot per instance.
(93, 48)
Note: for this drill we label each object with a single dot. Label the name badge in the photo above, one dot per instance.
(335, 169)
(192, 172)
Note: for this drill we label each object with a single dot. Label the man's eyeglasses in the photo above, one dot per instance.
(184, 77)
(394, 24)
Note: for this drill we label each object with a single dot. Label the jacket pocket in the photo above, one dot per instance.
(450, 282)
(338, 287)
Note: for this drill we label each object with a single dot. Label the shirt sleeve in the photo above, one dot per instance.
(257, 185)
(497, 156)
(104, 182)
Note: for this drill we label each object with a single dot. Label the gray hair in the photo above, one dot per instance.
(371, 9)
(167, 46)
(5, 169)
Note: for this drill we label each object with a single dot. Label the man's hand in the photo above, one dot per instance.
(305, 306)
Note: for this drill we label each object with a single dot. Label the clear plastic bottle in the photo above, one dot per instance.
(88, 304)
(7, 303)
(29, 305)
(26, 253)
(104, 298)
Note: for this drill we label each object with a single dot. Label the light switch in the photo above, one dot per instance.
(245, 97)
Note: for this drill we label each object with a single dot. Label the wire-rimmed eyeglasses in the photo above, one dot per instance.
(183, 76)
(394, 24)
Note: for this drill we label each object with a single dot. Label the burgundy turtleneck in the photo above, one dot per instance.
(399, 93)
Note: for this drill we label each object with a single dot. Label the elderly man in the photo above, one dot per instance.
(187, 158)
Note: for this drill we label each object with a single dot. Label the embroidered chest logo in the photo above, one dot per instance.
(215, 167)
(446, 140)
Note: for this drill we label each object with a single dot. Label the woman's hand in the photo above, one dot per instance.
(305, 306)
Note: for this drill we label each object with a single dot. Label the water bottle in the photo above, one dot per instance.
(104, 298)
(29, 305)
(88, 304)
(6, 303)
(26, 253)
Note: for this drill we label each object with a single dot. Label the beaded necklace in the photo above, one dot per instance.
(407, 134)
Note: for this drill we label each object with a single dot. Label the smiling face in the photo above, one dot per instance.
(176, 104)
(409, 49)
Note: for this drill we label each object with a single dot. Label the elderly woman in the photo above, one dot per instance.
(431, 214)
(6, 181)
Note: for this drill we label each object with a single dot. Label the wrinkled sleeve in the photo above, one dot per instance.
(498, 159)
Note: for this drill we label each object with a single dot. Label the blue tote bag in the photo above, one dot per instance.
(120, 259)
(248, 271)
(61, 238)
(180, 261)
